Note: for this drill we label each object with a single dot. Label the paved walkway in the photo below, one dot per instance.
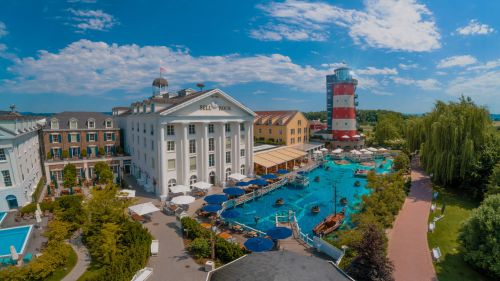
(408, 248)
(82, 262)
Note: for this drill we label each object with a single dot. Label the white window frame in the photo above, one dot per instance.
(192, 146)
(54, 124)
(169, 162)
(71, 121)
(191, 129)
(242, 152)
(192, 163)
(170, 130)
(228, 157)
(91, 123)
(211, 144)
(3, 155)
(110, 125)
(211, 160)
(170, 146)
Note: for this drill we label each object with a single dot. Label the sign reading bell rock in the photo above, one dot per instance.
(213, 106)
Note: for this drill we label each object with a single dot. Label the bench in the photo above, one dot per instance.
(436, 254)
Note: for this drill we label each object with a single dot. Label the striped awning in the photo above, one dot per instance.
(274, 157)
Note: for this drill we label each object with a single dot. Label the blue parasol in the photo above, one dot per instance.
(242, 183)
(259, 244)
(234, 191)
(212, 208)
(216, 199)
(269, 177)
(279, 232)
(258, 182)
(230, 214)
(282, 171)
(302, 173)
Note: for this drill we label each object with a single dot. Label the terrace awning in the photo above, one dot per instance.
(179, 188)
(237, 176)
(144, 208)
(271, 158)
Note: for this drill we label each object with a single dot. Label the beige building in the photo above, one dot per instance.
(287, 127)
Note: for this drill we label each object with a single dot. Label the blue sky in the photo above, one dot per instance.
(93, 55)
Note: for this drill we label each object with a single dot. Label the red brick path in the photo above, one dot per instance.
(408, 248)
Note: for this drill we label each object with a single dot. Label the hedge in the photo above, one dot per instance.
(38, 190)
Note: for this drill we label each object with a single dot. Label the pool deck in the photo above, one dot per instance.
(408, 248)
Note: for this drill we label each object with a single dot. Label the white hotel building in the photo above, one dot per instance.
(20, 168)
(186, 137)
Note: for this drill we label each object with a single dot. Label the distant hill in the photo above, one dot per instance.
(46, 114)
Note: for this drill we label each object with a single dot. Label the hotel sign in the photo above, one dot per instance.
(213, 106)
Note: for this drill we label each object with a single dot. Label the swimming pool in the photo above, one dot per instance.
(302, 199)
(16, 236)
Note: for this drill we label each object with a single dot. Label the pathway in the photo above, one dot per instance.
(408, 248)
(82, 262)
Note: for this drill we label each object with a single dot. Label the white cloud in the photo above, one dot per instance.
(441, 73)
(93, 68)
(259, 92)
(424, 84)
(288, 100)
(483, 88)
(486, 66)
(377, 71)
(3, 29)
(278, 32)
(396, 25)
(457, 61)
(84, 20)
(408, 66)
(475, 28)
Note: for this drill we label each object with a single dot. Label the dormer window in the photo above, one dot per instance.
(270, 122)
(73, 124)
(91, 124)
(109, 123)
(144, 109)
(54, 124)
(152, 107)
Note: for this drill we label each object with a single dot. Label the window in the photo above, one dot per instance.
(172, 183)
(151, 129)
(211, 144)
(299, 139)
(242, 169)
(91, 124)
(152, 107)
(299, 122)
(170, 146)
(242, 153)
(152, 163)
(192, 163)
(192, 180)
(270, 131)
(137, 126)
(74, 137)
(192, 130)
(292, 140)
(144, 127)
(260, 131)
(242, 127)
(228, 173)
(109, 124)
(211, 160)
(228, 156)
(73, 124)
(211, 128)
(171, 164)
(281, 131)
(109, 136)
(292, 131)
(152, 145)
(55, 138)
(269, 122)
(2, 154)
(170, 130)
(227, 128)
(54, 124)
(192, 146)
(144, 108)
(299, 131)
(228, 142)
(6, 178)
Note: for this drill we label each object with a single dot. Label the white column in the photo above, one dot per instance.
(236, 150)
(185, 155)
(204, 153)
(162, 166)
(222, 152)
(249, 148)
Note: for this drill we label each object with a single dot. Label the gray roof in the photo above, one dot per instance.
(9, 115)
(82, 117)
(278, 266)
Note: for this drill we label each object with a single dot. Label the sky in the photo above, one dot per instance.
(92, 55)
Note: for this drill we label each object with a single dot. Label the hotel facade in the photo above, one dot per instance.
(287, 127)
(186, 137)
(82, 139)
(20, 166)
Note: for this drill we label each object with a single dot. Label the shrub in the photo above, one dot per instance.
(493, 186)
(402, 162)
(69, 175)
(226, 251)
(193, 228)
(480, 236)
(28, 209)
(65, 154)
(101, 151)
(200, 248)
(83, 153)
(38, 189)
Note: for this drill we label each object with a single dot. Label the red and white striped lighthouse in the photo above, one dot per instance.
(344, 106)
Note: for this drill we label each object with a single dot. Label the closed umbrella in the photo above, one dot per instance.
(234, 191)
(242, 183)
(230, 214)
(282, 171)
(269, 177)
(212, 208)
(216, 199)
(259, 244)
(258, 182)
(279, 232)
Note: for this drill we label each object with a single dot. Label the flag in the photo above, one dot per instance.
(163, 69)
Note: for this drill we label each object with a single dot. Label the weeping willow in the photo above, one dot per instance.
(450, 138)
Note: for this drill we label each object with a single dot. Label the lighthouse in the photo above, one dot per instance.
(341, 108)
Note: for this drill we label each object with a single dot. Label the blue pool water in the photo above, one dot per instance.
(302, 199)
(17, 236)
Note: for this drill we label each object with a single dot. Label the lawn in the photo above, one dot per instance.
(458, 208)
(63, 271)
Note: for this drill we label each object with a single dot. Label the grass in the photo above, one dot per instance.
(452, 267)
(63, 271)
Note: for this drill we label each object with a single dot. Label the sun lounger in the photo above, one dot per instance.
(436, 254)
(432, 226)
(155, 248)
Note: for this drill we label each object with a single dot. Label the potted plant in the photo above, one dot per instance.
(64, 154)
(84, 153)
(101, 151)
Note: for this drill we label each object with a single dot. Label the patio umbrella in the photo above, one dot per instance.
(282, 171)
(259, 244)
(212, 208)
(302, 173)
(234, 191)
(182, 200)
(144, 208)
(216, 199)
(202, 185)
(230, 214)
(258, 182)
(269, 177)
(324, 149)
(242, 183)
(279, 232)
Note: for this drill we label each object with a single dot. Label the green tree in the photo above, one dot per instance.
(69, 208)
(69, 175)
(65, 154)
(480, 236)
(104, 247)
(200, 248)
(371, 262)
(103, 172)
(402, 162)
(494, 181)
(389, 129)
(58, 230)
